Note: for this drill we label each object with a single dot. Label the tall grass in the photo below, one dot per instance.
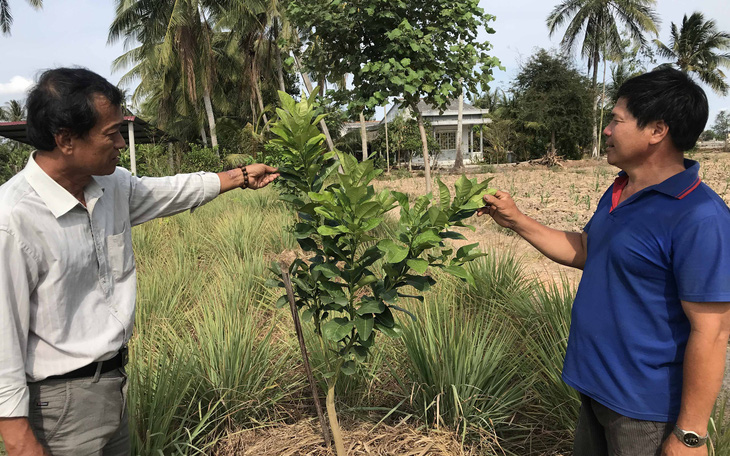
(211, 354)
(204, 359)
(460, 365)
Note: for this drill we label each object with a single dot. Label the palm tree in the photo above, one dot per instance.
(6, 19)
(597, 22)
(174, 38)
(14, 111)
(697, 47)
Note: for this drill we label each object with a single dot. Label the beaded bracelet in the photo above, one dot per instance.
(245, 177)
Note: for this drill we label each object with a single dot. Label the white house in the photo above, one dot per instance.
(443, 126)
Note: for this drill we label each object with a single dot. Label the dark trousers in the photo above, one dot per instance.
(82, 417)
(603, 432)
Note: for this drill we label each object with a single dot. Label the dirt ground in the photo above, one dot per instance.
(563, 198)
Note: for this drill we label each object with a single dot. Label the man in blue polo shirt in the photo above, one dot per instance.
(651, 317)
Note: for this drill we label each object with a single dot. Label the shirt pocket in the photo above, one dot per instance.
(120, 254)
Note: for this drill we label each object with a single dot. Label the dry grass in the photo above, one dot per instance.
(305, 438)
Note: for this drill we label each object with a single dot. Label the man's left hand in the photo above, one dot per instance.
(673, 447)
(260, 175)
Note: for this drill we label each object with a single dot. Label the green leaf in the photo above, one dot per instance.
(364, 325)
(427, 239)
(394, 253)
(372, 223)
(359, 352)
(460, 272)
(328, 270)
(307, 244)
(366, 280)
(407, 312)
(282, 301)
(274, 283)
(337, 329)
(348, 367)
(463, 188)
(371, 307)
(418, 264)
(307, 314)
(395, 332)
(329, 230)
(452, 235)
(420, 283)
(444, 194)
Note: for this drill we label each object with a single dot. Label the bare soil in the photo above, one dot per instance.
(562, 197)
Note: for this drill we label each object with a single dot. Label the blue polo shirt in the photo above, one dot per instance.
(666, 243)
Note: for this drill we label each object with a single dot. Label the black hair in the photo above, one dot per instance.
(64, 99)
(672, 96)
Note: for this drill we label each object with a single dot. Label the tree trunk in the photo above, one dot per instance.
(424, 143)
(279, 65)
(387, 149)
(603, 106)
(594, 152)
(552, 156)
(257, 87)
(211, 121)
(363, 137)
(310, 89)
(459, 159)
(203, 136)
(334, 423)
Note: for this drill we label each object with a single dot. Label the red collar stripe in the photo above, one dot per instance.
(686, 192)
(618, 188)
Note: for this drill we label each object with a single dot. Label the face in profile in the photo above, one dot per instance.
(97, 152)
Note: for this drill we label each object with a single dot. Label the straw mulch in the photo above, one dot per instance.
(305, 439)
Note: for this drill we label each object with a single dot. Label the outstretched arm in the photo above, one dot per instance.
(259, 176)
(566, 248)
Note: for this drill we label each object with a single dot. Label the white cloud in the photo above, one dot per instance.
(18, 85)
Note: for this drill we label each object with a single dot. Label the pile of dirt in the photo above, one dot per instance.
(305, 438)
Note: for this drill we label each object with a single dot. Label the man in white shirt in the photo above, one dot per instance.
(67, 274)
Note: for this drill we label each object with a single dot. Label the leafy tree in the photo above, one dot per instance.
(708, 135)
(176, 45)
(350, 285)
(13, 157)
(553, 100)
(6, 18)
(698, 47)
(13, 111)
(597, 21)
(423, 50)
(722, 125)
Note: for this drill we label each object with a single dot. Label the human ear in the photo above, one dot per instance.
(64, 141)
(659, 130)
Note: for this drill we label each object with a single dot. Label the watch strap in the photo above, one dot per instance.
(689, 438)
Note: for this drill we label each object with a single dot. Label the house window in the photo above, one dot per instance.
(446, 140)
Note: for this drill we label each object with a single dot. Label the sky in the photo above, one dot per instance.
(74, 33)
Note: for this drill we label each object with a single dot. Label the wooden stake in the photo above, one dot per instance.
(305, 357)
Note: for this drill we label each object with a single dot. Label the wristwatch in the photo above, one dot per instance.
(689, 438)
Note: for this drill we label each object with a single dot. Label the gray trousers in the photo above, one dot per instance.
(603, 432)
(85, 416)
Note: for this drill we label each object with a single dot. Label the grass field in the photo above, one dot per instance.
(215, 367)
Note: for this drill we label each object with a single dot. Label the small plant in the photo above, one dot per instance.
(351, 282)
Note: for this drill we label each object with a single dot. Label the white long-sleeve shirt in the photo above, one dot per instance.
(67, 272)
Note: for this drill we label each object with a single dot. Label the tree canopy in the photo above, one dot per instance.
(698, 47)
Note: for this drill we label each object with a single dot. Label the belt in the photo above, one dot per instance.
(119, 361)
